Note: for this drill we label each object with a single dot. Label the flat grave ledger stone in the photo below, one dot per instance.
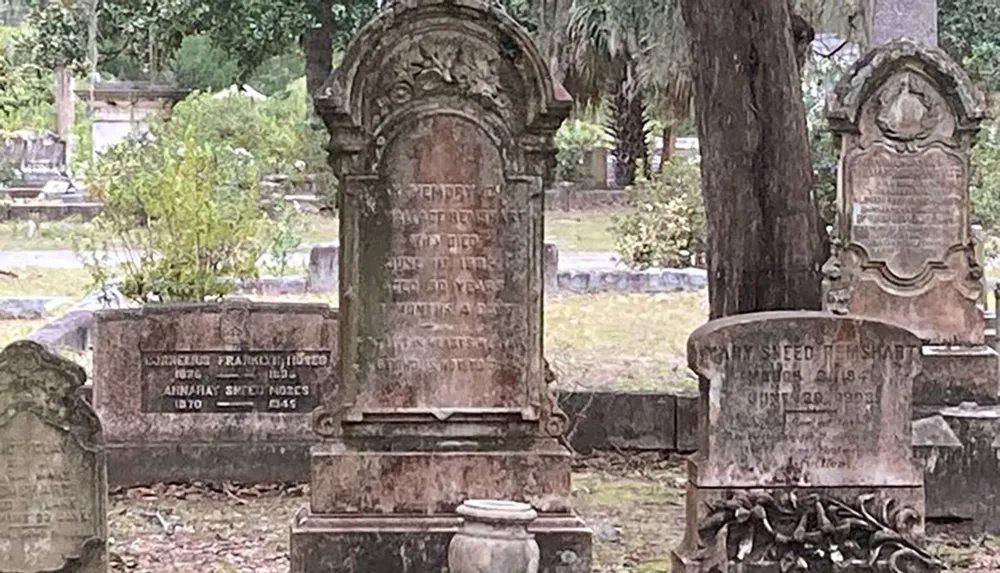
(53, 485)
(441, 118)
(215, 391)
(805, 447)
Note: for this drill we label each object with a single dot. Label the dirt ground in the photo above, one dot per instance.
(633, 504)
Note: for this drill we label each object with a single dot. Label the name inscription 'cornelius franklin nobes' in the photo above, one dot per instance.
(232, 382)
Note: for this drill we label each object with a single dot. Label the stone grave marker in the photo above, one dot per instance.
(907, 116)
(804, 453)
(441, 117)
(214, 391)
(895, 19)
(53, 485)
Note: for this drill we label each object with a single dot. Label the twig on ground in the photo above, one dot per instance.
(168, 527)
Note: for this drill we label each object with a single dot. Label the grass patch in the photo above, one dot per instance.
(583, 231)
(623, 341)
(637, 515)
(46, 235)
(320, 229)
(11, 330)
(39, 281)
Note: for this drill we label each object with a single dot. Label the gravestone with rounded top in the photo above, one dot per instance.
(904, 251)
(804, 452)
(53, 485)
(442, 118)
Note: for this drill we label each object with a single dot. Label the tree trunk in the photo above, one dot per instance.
(317, 43)
(669, 144)
(628, 115)
(763, 229)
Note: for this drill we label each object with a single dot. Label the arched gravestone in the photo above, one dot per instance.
(441, 118)
(907, 116)
(53, 484)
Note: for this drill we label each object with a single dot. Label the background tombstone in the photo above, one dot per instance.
(907, 117)
(805, 424)
(53, 485)
(441, 118)
(212, 391)
(896, 19)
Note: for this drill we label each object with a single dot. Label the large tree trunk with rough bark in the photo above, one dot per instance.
(763, 229)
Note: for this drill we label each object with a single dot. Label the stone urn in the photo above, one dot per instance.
(494, 538)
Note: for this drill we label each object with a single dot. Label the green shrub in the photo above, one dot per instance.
(574, 139)
(985, 184)
(185, 209)
(819, 78)
(665, 224)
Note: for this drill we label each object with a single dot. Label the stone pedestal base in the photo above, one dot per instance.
(346, 481)
(398, 543)
(691, 558)
(952, 375)
(958, 449)
(136, 464)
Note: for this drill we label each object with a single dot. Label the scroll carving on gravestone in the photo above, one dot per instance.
(781, 530)
(906, 116)
(53, 484)
(441, 133)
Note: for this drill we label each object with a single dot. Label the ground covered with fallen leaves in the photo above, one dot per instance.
(634, 504)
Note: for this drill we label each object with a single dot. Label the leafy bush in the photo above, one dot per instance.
(185, 208)
(821, 74)
(574, 139)
(202, 65)
(665, 226)
(984, 64)
(985, 184)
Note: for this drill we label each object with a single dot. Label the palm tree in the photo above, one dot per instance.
(664, 70)
(608, 40)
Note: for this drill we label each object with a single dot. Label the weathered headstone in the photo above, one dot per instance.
(442, 116)
(214, 391)
(804, 455)
(907, 117)
(53, 485)
(323, 271)
(896, 19)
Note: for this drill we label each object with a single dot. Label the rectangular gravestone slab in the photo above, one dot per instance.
(803, 406)
(53, 485)
(213, 392)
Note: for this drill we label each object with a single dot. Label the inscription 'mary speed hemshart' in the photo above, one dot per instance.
(234, 382)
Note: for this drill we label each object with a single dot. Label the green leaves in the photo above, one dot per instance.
(186, 202)
(665, 226)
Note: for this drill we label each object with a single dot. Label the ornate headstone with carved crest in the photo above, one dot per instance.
(442, 118)
(907, 116)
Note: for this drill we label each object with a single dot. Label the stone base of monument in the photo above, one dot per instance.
(436, 481)
(394, 544)
(952, 375)
(959, 451)
(782, 522)
(139, 464)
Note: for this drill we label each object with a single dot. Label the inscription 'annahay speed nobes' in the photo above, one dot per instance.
(233, 382)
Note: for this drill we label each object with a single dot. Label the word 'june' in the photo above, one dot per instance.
(806, 352)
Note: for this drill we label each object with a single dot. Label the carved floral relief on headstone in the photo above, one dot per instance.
(53, 485)
(906, 116)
